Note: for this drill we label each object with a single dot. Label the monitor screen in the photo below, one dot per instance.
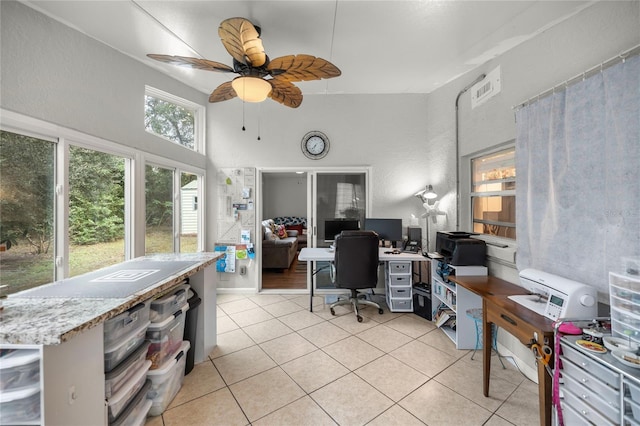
(333, 227)
(387, 229)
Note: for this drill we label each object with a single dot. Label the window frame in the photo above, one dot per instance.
(135, 162)
(198, 117)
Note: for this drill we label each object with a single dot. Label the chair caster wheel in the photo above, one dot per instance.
(380, 311)
(333, 312)
(359, 318)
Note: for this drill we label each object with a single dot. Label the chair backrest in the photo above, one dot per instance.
(356, 259)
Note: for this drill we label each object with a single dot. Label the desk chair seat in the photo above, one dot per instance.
(355, 267)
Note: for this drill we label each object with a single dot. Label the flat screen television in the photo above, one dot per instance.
(387, 229)
(333, 227)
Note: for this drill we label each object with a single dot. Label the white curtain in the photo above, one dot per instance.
(578, 177)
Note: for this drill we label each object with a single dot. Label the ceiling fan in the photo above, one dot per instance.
(259, 77)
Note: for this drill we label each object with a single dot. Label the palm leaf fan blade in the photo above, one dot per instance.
(302, 68)
(224, 92)
(286, 93)
(195, 63)
(242, 41)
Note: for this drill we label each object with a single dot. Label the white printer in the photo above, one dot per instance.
(556, 297)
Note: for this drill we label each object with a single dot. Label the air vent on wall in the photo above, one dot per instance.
(486, 88)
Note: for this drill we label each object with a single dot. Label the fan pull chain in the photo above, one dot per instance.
(243, 129)
(259, 114)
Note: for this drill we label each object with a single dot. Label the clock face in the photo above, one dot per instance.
(315, 145)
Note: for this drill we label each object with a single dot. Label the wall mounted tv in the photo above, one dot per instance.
(333, 227)
(387, 229)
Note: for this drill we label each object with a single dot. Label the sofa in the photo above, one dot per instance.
(279, 245)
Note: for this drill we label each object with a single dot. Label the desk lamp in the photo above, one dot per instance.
(432, 210)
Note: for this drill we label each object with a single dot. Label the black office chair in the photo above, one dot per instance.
(355, 267)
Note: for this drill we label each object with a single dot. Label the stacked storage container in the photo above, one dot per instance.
(624, 295)
(167, 350)
(126, 366)
(19, 386)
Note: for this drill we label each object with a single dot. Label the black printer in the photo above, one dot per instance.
(458, 248)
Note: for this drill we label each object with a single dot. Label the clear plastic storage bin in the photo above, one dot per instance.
(119, 400)
(19, 368)
(121, 349)
(20, 406)
(125, 322)
(166, 337)
(135, 414)
(165, 306)
(117, 377)
(167, 380)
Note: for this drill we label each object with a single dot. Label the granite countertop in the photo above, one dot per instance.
(53, 320)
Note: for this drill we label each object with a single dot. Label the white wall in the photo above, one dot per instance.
(386, 132)
(284, 195)
(56, 74)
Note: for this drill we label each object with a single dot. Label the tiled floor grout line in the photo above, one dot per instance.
(350, 332)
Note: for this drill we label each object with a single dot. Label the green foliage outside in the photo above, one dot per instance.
(172, 121)
(96, 202)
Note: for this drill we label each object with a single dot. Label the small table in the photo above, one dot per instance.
(521, 322)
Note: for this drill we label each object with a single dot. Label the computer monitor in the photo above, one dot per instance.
(333, 227)
(387, 229)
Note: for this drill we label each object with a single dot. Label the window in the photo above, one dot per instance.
(96, 210)
(27, 189)
(175, 119)
(159, 210)
(66, 203)
(165, 204)
(493, 194)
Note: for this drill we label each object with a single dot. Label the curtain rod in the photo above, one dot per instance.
(588, 73)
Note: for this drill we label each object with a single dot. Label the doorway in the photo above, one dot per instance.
(314, 196)
(283, 198)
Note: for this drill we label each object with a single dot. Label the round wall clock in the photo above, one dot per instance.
(315, 145)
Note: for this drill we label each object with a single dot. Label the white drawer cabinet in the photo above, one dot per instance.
(399, 287)
(596, 389)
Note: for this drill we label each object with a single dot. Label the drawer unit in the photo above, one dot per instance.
(398, 288)
(624, 295)
(596, 388)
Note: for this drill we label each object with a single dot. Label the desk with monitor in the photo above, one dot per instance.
(324, 254)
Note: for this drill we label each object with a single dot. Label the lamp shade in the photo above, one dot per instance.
(251, 89)
(429, 193)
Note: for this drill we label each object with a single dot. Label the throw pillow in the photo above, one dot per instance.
(281, 231)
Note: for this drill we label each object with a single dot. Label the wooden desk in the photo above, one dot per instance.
(521, 322)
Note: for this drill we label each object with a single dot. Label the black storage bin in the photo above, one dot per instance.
(422, 300)
(190, 326)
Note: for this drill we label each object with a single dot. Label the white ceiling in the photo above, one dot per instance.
(381, 47)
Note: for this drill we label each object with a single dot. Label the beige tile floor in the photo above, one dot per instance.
(276, 363)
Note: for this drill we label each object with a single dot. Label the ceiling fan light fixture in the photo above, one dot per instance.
(251, 89)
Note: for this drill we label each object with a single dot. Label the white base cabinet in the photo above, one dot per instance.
(399, 286)
(452, 296)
